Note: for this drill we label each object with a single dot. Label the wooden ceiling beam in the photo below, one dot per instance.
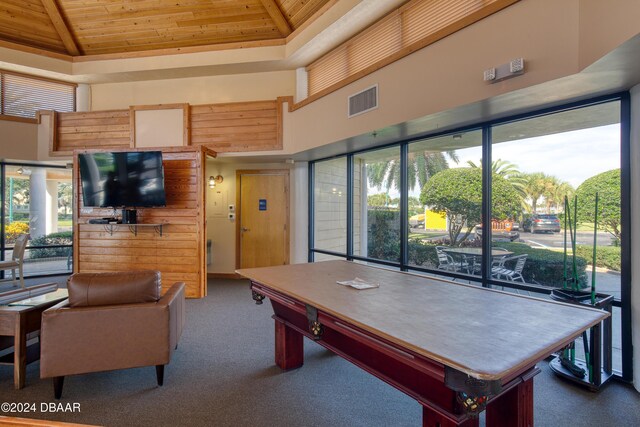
(53, 11)
(278, 17)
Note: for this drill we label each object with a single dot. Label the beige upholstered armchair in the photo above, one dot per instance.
(111, 321)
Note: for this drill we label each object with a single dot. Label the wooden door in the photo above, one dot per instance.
(263, 223)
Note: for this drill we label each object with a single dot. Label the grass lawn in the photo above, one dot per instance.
(427, 234)
(64, 223)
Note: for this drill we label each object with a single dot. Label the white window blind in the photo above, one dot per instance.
(23, 95)
(413, 26)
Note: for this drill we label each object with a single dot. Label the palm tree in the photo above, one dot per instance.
(534, 187)
(508, 171)
(555, 191)
(422, 165)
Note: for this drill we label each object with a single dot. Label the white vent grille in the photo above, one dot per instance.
(363, 101)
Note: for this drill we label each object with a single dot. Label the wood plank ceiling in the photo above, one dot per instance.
(91, 27)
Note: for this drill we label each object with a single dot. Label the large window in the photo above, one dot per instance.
(554, 166)
(445, 204)
(330, 207)
(424, 206)
(37, 201)
(376, 204)
(23, 96)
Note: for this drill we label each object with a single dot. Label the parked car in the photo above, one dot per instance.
(541, 222)
(499, 235)
(416, 221)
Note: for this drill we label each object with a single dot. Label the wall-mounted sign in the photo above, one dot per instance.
(262, 204)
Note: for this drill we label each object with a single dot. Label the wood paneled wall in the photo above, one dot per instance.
(179, 254)
(238, 126)
(96, 129)
(231, 127)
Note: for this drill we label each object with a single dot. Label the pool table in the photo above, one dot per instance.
(455, 348)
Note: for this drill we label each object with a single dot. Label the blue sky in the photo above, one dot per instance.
(571, 156)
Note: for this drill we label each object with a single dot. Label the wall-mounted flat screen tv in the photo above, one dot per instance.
(122, 179)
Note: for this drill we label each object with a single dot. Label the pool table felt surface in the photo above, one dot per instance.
(487, 334)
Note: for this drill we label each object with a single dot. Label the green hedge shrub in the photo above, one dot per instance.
(384, 234)
(606, 256)
(543, 266)
(62, 238)
(422, 254)
(546, 267)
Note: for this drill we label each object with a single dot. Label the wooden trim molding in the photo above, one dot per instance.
(31, 422)
(288, 100)
(53, 137)
(175, 106)
(230, 127)
(179, 50)
(228, 276)
(37, 51)
(8, 118)
(186, 124)
(31, 76)
(132, 126)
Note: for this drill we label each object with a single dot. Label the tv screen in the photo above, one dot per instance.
(122, 179)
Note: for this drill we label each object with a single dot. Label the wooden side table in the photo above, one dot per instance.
(18, 320)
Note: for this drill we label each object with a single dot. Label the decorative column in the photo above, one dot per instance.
(364, 209)
(300, 213)
(52, 206)
(38, 202)
(302, 84)
(83, 97)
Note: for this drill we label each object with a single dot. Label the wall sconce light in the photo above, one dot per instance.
(213, 180)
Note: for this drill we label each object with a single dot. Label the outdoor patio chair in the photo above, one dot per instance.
(17, 259)
(502, 271)
(445, 261)
(498, 260)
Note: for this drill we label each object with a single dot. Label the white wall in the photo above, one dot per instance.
(194, 90)
(18, 141)
(448, 74)
(222, 231)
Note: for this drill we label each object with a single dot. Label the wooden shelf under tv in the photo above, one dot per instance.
(133, 228)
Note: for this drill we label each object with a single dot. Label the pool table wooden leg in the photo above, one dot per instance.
(431, 418)
(289, 347)
(514, 408)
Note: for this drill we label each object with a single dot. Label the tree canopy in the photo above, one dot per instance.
(420, 167)
(458, 193)
(607, 185)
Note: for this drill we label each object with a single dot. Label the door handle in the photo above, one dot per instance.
(244, 229)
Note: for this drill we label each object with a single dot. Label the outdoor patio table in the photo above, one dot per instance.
(473, 256)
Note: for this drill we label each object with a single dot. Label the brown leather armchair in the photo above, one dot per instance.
(111, 321)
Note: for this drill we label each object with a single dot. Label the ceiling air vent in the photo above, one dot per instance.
(363, 101)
